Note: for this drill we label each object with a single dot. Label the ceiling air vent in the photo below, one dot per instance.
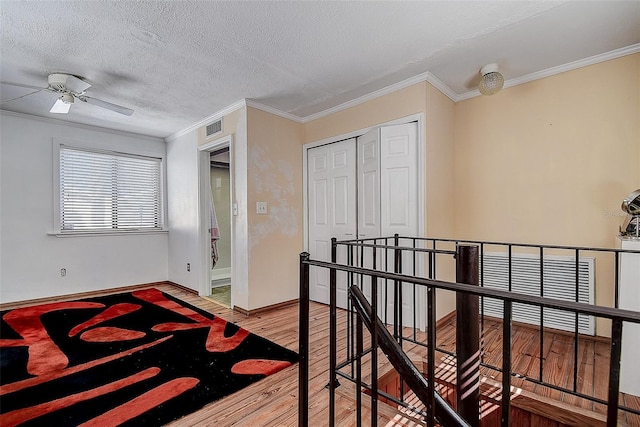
(214, 128)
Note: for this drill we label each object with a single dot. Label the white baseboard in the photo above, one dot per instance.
(221, 273)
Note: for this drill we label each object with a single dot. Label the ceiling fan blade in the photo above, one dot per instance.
(22, 85)
(76, 85)
(60, 107)
(21, 96)
(107, 105)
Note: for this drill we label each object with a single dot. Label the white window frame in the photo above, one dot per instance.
(58, 143)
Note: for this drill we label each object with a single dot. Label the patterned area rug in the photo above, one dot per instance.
(140, 358)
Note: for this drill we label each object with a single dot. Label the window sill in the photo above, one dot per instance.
(106, 233)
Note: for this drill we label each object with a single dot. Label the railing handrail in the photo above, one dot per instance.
(402, 364)
(355, 242)
(402, 248)
(572, 306)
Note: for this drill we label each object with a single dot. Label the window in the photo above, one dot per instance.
(108, 191)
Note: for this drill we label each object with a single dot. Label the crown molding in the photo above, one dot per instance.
(426, 76)
(438, 84)
(258, 106)
(592, 60)
(212, 118)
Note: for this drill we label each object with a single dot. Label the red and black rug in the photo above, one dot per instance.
(140, 358)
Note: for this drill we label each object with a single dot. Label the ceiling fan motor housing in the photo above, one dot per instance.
(67, 83)
(58, 81)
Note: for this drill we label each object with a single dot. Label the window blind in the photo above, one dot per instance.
(107, 191)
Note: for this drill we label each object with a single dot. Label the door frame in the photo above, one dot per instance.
(204, 196)
(422, 185)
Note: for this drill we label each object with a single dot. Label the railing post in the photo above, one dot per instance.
(505, 409)
(359, 351)
(468, 336)
(374, 343)
(397, 298)
(303, 343)
(431, 355)
(333, 335)
(614, 373)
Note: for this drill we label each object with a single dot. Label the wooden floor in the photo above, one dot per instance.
(221, 295)
(558, 364)
(273, 401)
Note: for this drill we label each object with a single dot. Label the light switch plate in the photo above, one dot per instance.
(235, 209)
(261, 208)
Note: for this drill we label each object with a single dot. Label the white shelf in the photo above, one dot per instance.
(629, 297)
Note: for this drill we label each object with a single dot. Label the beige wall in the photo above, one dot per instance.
(550, 161)
(274, 176)
(439, 186)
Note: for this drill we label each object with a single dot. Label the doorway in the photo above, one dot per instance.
(216, 231)
(220, 226)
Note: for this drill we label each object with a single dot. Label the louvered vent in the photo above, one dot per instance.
(214, 128)
(559, 282)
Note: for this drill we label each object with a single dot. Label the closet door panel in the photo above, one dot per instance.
(399, 210)
(318, 216)
(399, 179)
(397, 202)
(319, 277)
(331, 189)
(369, 206)
(343, 204)
(369, 184)
(343, 201)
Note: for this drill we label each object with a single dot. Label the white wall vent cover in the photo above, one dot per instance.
(214, 128)
(559, 283)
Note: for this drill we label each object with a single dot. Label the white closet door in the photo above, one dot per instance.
(387, 204)
(369, 184)
(399, 206)
(399, 179)
(383, 180)
(332, 211)
(368, 169)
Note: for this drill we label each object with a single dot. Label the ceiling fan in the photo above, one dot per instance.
(70, 88)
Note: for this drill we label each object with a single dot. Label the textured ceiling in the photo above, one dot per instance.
(177, 62)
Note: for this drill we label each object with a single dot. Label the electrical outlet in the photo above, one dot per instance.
(261, 208)
(188, 266)
(63, 272)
